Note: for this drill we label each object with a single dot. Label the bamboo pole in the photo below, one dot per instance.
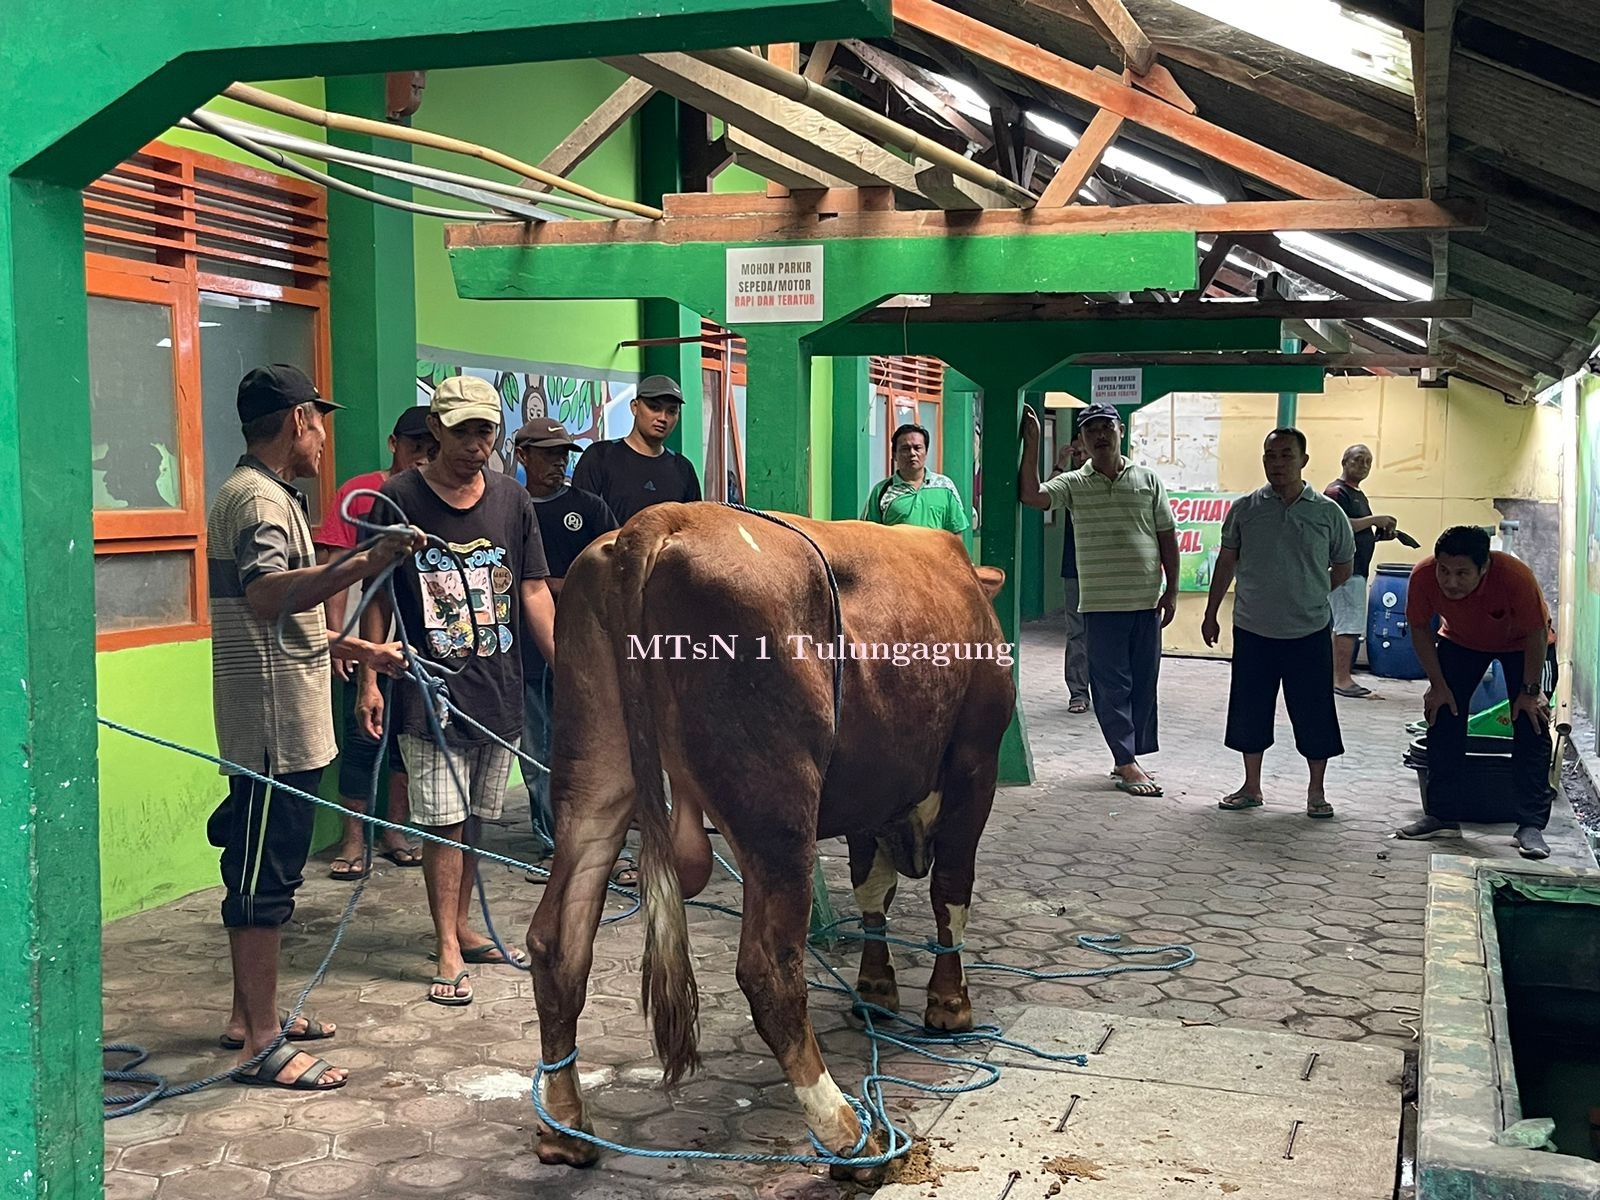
(860, 119)
(257, 98)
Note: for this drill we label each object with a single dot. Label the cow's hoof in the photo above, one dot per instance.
(560, 1150)
(875, 1145)
(952, 1014)
(880, 991)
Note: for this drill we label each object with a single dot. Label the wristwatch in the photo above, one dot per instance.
(1532, 689)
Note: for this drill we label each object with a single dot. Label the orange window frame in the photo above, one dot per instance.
(908, 381)
(260, 218)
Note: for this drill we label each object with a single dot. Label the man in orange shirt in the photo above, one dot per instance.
(1491, 608)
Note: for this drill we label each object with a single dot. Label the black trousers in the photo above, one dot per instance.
(264, 835)
(1303, 668)
(1448, 779)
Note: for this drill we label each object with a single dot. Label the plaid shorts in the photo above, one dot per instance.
(436, 797)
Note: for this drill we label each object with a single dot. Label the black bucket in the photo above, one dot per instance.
(1491, 800)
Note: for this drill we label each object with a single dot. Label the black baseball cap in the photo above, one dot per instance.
(271, 389)
(660, 387)
(1097, 412)
(413, 423)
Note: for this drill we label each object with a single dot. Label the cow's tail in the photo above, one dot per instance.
(670, 995)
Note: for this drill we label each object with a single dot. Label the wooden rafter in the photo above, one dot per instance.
(1031, 62)
(1083, 160)
(1438, 34)
(934, 98)
(1050, 308)
(1126, 37)
(1212, 262)
(1159, 81)
(612, 114)
(820, 60)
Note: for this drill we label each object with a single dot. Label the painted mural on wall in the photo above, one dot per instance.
(590, 408)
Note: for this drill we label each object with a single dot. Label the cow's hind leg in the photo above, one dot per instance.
(968, 797)
(873, 876)
(591, 825)
(772, 974)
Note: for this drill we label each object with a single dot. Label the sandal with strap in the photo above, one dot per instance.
(1239, 801)
(1318, 808)
(455, 1001)
(315, 1031)
(266, 1075)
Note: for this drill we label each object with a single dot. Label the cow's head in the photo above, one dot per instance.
(991, 579)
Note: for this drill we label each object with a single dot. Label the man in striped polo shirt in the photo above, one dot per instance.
(1123, 527)
(272, 702)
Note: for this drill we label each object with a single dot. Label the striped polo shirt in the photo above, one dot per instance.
(1115, 523)
(272, 710)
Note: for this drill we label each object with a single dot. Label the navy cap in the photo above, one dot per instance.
(1097, 412)
(413, 423)
(271, 389)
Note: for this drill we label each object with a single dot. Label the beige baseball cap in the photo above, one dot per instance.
(465, 398)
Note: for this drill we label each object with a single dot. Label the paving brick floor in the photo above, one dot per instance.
(1311, 926)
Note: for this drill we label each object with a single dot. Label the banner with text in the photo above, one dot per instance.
(774, 283)
(1198, 517)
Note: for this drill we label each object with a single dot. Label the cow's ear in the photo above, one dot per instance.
(991, 579)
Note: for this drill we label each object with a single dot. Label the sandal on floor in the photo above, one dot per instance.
(625, 873)
(404, 856)
(266, 1075)
(1078, 706)
(1239, 801)
(1319, 808)
(315, 1031)
(1148, 788)
(353, 871)
(488, 955)
(1354, 692)
(456, 1001)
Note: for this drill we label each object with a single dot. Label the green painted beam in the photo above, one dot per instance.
(1030, 601)
(1163, 381)
(373, 311)
(852, 465)
(84, 86)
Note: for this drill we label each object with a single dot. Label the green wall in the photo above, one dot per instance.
(524, 111)
(1586, 600)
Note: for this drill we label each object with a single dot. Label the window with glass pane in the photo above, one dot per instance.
(238, 333)
(928, 418)
(133, 411)
(142, 591)
(877, 438)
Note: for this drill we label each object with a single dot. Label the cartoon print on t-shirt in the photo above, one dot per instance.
(445, 602)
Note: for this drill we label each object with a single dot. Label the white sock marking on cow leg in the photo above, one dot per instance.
(829, 1113)
(872, 895)
(958, 933)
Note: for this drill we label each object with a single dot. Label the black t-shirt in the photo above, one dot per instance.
(1354, 502)
(568, 522)
(629, 481)
(497, 541)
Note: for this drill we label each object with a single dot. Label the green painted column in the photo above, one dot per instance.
(372, 301)
(1031, 600)
(51, 1127)
(955, 442)
(778, 421)
(1288, 402)
(852, 415)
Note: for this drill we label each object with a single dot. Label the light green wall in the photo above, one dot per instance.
(306, 91)
(1586, 598)
(524, 111)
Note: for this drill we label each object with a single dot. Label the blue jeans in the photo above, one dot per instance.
(538, 688)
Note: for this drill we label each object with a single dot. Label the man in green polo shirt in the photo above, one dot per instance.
(1122, 525)
(914, 495)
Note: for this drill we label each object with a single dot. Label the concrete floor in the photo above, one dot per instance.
(1312, 927)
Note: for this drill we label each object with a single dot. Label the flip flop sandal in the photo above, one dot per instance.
(1148, 788)
(488, 956)
(1078, 706)
(1318, 809)
(1354, 692)
(456, 1001)
(353, 872)
(266, 1075)
(315, 1031)
(1238, 802)
(413, 856)
(625, 866)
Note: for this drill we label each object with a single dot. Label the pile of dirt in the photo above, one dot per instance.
(1067, 1167)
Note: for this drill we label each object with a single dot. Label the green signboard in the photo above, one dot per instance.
(1198, 517)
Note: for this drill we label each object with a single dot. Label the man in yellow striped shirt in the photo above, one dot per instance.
(1123, 528)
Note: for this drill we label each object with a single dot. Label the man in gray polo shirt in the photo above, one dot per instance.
(1290, 547)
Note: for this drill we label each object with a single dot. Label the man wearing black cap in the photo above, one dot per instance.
(272, 706)
(634, 472)
(569, 519)
(410, 443)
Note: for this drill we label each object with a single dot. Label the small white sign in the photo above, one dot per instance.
(1123, 385)
(778, 283)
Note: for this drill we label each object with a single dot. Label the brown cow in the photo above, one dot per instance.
(747, 733)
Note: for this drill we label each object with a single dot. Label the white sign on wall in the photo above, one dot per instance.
(778, 283)
(1119, 385)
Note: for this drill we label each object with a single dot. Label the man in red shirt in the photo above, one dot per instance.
(1491, 608)
(410, 443)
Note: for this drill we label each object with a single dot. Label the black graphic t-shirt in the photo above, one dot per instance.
(1356, 505)
(473, 623)
(568, 522)
(629, 481)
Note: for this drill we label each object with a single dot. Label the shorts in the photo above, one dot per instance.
(264, 835)
(437, 777)
(1349, 601)
(358, 752)
(1303, 668)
